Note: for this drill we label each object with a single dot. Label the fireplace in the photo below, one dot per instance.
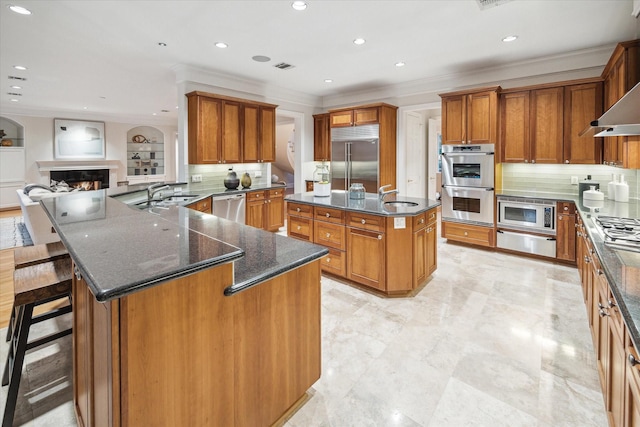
(87, 179)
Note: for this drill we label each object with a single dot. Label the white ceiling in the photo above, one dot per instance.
(104, 55)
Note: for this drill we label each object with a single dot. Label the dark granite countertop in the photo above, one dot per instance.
(620, 267)
(370, 204)
(119, 249)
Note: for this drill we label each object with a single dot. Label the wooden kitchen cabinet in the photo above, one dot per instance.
(223, 129)
(469, 233)
(265, 209)
(203, 205)
(321, 138)
(366, 248)
(632, 387)
(470, 117)
(566, 232)
(130, 355)
(364, 115)
(541, 124)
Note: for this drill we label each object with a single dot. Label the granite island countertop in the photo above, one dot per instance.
(620, 267)
(370, 204)
(120, 249)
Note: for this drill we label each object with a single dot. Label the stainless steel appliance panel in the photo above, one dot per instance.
(231, 207)
(354, 157)
(527, 243)
(468, 165)
(468, 204)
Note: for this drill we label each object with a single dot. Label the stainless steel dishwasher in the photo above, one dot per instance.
(230, 207)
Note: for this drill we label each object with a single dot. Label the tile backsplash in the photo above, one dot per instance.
(215, 174)
(557, 178)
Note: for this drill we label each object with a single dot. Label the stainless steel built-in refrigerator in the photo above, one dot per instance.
(355, 157)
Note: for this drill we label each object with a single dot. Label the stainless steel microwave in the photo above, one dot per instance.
(527, 214)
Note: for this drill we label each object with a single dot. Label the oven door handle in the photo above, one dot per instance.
(467, 154)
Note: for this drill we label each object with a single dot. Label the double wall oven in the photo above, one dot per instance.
(468, 183)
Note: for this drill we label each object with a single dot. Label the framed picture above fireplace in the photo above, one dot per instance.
(78, 139)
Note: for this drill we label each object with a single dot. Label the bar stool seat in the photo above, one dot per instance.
(33, 285)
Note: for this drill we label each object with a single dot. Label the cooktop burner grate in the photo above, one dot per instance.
(621, 233)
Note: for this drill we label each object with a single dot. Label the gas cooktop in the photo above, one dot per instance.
(620, 233)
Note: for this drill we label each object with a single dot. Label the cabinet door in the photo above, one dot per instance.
(321, 138)
(205, 129)
(251, 133)
(420, 251)
(366, 258)
(632, 389)
(566, 237)
(581, 104)
(232, 133)
(267, 134)
(482, 118)
(341, 119)
(615, 368)
(365, 116)
(547, 125)
(453, 119)
(514, 128)
(255, 213)
(275, 210)
(432, 249)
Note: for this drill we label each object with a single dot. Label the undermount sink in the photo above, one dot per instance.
(166, 202)
(400, 203)
(180, 198)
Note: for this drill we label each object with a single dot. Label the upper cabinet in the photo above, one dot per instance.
(321, 137)
(470, 117)
(355, 117)
(621, 73)
(229, 130)
(541, 124)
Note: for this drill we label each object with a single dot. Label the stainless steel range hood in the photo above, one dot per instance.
(622, 119)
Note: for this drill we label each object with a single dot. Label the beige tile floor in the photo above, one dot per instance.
(492, 340)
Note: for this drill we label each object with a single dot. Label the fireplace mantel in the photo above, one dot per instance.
(65, 165)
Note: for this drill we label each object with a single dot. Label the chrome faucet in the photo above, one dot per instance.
(382, 192)
(154, 188)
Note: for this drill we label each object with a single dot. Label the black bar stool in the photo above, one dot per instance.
(33, 285)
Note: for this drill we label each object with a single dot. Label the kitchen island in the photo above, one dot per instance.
(183, 318)
(386, 246)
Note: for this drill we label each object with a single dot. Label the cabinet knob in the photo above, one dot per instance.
(526, 161)
(421, 221)
(297, 209)
(533, 161)
(299, 227)
(603, 313)
(466, 234)
(566, 208)
(363, 221)
(268, 201)
(328, 215)
(611, 302)
(379, 236)
(328, 235)
(328, 260)
(632, 360)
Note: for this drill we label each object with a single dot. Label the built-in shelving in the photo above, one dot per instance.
(145, 157)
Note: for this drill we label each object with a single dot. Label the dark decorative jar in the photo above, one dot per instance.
(246, 180)
(231, 181)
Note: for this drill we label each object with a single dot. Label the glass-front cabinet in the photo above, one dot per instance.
(145, 155)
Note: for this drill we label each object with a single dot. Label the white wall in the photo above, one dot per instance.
(38, 141)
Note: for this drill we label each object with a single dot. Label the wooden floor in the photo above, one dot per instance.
(6, 280)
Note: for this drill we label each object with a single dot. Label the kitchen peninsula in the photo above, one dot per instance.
(387, 246)
(184, 318)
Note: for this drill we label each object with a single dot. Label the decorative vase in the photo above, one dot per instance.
(231, 181)
(6, 142)
(246, 180)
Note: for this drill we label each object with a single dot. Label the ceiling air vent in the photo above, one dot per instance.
(14, 94)
(284, 66)
(484, 4)
(17, 78)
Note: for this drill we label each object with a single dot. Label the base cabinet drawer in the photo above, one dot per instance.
(335, 263)
(330, 235)
(300, 228)
(474, 234)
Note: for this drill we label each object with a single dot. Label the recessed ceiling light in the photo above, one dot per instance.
(400, 64)
(16, 87)
(162, 44)
(14, 100)
(359, 41)
(509, 39)
(85, 108)
(328, 80)
(261, 58)
(222, 45)
(299, 5)
(19, 9)
(20, 67)
(154, 114)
